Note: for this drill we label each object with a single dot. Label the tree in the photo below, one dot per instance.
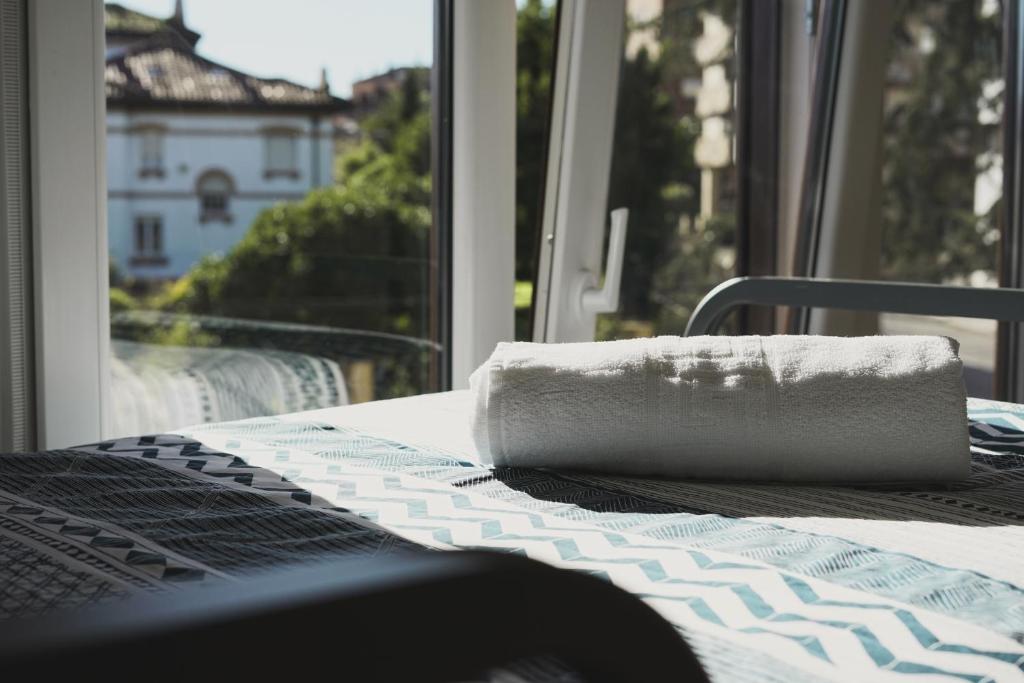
(949, 56)
(672, 257)
(652, 174)
(535, 30)
(352, 256)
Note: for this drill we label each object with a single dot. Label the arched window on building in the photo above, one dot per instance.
(215, 189)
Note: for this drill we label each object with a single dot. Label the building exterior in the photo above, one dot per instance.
(195, 150)
(369, 93)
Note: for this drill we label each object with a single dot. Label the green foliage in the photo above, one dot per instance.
(120, 300)
(352, 256)
(653, 153)
(933, 137)
(345, 257)
(673, 257)
(535, 29)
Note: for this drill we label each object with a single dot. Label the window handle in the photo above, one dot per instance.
(605, 299)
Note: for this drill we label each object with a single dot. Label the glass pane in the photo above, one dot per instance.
(673, 161)
(536, 36)
(254, 274)
(942, 163)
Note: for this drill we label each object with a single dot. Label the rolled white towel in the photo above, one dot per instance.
(782, 408)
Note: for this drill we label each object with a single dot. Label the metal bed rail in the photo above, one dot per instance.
(854, 295)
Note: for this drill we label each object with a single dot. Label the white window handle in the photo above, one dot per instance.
(606, 298)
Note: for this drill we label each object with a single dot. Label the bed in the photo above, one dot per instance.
(766, 583)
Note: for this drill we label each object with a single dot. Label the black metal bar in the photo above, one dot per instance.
(828, 56)
(425, 617)
(1011, 274)
(855, 295)
(440, 286)
(542, 196)
(757, 148)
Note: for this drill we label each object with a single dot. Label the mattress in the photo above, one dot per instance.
(766, 582)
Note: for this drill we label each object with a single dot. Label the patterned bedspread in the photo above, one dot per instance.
(768, 583)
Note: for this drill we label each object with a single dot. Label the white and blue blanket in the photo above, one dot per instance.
(767, 583)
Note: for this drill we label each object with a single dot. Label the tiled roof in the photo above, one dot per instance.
(122, 22)
(163, 72)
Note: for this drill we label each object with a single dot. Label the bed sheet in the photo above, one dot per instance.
(767, 583)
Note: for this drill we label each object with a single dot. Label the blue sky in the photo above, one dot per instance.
(293, 38)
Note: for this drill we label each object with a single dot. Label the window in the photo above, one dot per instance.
(535, 56)
(658, 83)
(148, 241)
(323, 291)
(214, 188)
(151, 152)
(281, 154)
(941, 171)
(917, 150)
(673, 162)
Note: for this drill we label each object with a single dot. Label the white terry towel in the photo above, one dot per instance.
(782, 408)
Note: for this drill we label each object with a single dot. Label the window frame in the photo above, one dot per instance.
(440, 239)
(67, 124)
(826, 156)
(1009, 370)
(583, 106)
(577, 179)
(17, 363)
(757, 150)
(67, 119)
(827, 59)
(483, 182)
(148, 233)
(206, 213)
(151, 161)
(290, 169)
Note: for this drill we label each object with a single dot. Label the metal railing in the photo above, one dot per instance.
(854, 295)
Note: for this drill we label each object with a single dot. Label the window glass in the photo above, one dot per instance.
(214, 188)
(280, 152)
(941, 170)
(149, 238)
(536, 36)
(151, 144)
(234, 294)
(673, 162)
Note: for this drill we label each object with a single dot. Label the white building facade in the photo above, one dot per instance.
(195, 150)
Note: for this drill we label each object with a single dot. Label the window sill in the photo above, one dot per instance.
(151, 173)
(148, 261)
(281, 173)
(216, 217)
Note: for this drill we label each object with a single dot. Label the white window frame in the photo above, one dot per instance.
(483, 182)
(590, 46)
(68, 160)
(67, 121)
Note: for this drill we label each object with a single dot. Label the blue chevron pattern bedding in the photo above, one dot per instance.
(767, 583)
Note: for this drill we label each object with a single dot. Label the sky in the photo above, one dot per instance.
(292, 39)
